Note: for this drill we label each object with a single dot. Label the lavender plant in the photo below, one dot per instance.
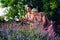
(10, 34)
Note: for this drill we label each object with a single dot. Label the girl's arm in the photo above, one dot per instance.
(43, 20)
(26, 19)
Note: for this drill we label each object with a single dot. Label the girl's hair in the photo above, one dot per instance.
(29, 6)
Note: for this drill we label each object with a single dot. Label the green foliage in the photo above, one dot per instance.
(53, 5)
(1, 19)
(50, 7)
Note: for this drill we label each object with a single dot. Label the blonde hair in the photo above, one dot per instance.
(35, 10)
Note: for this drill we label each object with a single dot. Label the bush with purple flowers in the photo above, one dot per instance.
(11, 34)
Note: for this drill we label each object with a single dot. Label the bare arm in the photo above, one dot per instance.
(43, 20)
(26, 19)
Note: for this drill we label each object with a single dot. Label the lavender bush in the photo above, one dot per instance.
(23, 33)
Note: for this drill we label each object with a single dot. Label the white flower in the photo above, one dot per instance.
(5, 18)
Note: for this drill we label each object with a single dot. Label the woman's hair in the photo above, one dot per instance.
(34, 9)
(29, 6)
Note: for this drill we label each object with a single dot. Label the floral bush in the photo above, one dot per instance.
(18, 32)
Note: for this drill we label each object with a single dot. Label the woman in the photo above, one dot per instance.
(41, 21)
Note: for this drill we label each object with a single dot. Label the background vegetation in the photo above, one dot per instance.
(16, 8)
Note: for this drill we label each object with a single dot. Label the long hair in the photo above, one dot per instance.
(47, 23)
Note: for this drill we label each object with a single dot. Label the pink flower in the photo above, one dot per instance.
(51, 31)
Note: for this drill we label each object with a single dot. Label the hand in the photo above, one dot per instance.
(23, 19)
(26, 20)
